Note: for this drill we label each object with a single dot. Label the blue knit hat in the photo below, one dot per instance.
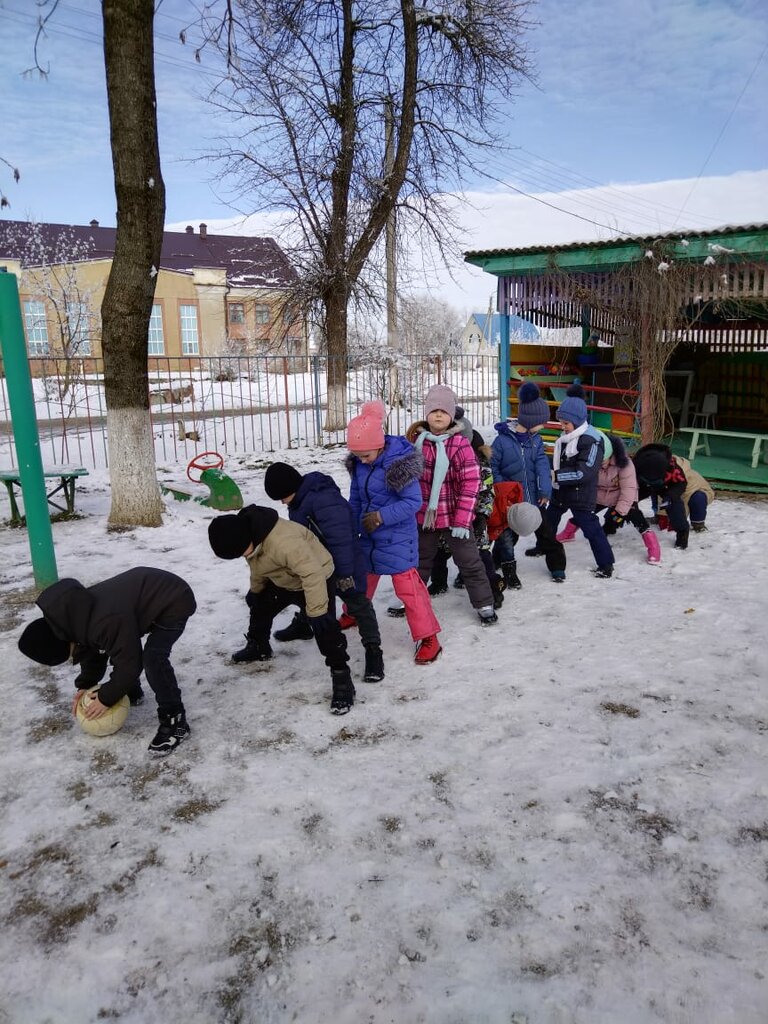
(573, 408)
(532, 410)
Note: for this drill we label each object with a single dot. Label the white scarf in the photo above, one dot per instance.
(568, 441)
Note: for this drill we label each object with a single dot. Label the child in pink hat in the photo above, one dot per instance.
(385, 496)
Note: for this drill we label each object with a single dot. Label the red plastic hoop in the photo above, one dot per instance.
(217, 463)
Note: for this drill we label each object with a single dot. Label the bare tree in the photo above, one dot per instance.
(51, 265)
(127, 305)
(4, 201)
(51, 269)
(429, 326)
(311, 81)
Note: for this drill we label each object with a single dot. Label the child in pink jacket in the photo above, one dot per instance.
(449, 486)
(617, 493)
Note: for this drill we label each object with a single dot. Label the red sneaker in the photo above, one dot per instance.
(428, 650)
(347, 621)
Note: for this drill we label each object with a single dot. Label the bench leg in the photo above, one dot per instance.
(756, 452)
(694, 446)
(69, 494)
(15, 514)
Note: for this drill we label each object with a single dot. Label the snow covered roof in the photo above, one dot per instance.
(729, 229)
(248, 261)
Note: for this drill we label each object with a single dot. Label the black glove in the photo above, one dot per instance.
(371, 521)
(344, 583)
(614, 517)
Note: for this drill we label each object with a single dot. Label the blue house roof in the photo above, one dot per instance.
(518, 328)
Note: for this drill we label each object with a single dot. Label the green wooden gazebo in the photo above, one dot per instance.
(719, 286)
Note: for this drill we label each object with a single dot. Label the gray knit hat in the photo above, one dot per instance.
(532, 410)
(464, 424)
(524, 518)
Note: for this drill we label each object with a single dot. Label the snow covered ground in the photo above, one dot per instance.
(565, 819)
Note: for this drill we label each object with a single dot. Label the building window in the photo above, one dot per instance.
(189, 340)
(37, 328)
(262, 314)
(79, 329)
(236, 311)
(156, 346)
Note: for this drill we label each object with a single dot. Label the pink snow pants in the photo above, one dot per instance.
(412, 591)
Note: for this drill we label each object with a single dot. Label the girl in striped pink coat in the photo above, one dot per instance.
(449, 486)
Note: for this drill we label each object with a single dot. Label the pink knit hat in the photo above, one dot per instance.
(441, 397)
(365, 432)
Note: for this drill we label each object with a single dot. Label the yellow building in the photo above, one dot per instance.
(215, 294)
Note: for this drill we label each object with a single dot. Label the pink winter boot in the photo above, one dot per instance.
(568, 532)
(651, 542)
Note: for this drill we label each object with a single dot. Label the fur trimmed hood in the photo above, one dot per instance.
(401, 463)
(619, 451)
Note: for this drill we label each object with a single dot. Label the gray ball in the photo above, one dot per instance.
(524, 518)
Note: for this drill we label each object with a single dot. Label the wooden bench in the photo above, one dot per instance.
(705, 433)
(66, 475)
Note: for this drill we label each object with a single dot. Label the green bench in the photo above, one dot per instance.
(705, 433)
(66, 476)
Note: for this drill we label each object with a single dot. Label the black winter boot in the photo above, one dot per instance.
(681, 541)
(535, 552)
(254, 650)
(498, 586)
(458, 583)
(343, 691)
(510, 575)
(173, 729)
(699, 527)
(374, 665)
(297, 629)
(603, 572)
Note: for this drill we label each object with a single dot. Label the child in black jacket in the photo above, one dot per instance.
(577, 458)
(104, 624)
(659, 476)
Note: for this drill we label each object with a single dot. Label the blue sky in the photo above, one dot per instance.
(628, 91)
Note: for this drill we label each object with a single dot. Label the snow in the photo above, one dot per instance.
(564, 819)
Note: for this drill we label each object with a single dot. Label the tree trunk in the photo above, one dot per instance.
(127, 305)
(647, 391)
(335, 302)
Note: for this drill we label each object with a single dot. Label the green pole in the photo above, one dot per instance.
(25, 433)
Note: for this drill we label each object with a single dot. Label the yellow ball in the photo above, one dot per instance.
(110, 722)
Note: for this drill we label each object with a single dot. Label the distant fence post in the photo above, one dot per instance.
(318, 404)
(287, 400)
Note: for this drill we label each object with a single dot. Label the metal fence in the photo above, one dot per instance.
(239, 405)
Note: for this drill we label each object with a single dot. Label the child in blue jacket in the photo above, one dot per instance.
(577, 459)
(315, 501)
(517, 454)
(385, 496)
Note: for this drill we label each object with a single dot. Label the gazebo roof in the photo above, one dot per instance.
(746, 241)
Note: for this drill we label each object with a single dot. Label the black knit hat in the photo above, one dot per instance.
(40, 643)
(281, 480)
(229, 536)
(651, 465)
